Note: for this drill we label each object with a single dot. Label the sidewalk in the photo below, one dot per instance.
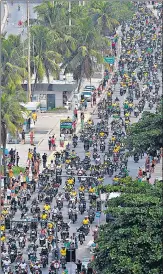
(47, 125)
(158, 172)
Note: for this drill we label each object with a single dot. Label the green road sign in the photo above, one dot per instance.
(109, 60)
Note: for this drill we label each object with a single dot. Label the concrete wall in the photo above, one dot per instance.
(40, 91)
(42, 98)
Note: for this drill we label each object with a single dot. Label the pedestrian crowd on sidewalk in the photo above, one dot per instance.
(150, 164)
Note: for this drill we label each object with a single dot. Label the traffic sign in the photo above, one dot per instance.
(98, 214)
(109, 60)
(56, 264)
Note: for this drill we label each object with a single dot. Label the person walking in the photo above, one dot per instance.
(53, 142)
(85, 104)
(62, 139)
(74, 126)
(34, 117)
(79, 265)
(31, 138)
(94, 98)
(17, 158)
(44, 159)
(49, 143)
(82, 119)
(23, 137)
(8, 192)
(76, 113)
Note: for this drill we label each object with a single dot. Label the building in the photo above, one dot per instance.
(54, 95)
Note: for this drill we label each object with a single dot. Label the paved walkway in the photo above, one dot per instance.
(158, 172)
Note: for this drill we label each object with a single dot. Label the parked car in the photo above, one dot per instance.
(88, 88)
(87, 95)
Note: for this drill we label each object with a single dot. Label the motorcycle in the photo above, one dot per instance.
(136, 158)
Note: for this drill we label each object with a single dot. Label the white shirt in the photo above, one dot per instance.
(23, 265)
(8, 192)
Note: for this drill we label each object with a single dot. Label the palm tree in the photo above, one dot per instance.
(54, 16)
(46, 59)
(13, 61)
(87, 53)
(103, 16)
(11, 116)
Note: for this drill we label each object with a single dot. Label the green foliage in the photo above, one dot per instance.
(13, 61)
(80, 45)
(11, 113)
(132, 243)
(149, 130)
(45, 57)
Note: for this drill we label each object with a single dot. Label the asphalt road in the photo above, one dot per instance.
(82, 251)
(15, 16)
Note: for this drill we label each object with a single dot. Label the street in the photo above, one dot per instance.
(48, 124)
(15, 16)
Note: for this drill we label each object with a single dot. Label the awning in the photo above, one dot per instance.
(32, 106)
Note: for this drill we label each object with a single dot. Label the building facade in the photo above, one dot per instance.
(53, 95)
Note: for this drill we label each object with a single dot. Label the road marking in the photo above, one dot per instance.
(69, 223)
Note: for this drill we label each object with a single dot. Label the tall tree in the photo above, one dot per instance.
(132, 243)
(103, 17)
(46, 58)
(146, 134)
(14, 60)
(11, 115)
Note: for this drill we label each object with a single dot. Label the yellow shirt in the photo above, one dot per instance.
(88, 154)
(85, 222)
(81, 188)
(4, 212)
(3, 238)
(50, 226)
(68, 161)
(2, 228)
(102, 134)
(47, 207)
(29, 155)
(73, 193)
(92, 190)
(63, 252)
(44, 216)
(70, 181)
(34, 116)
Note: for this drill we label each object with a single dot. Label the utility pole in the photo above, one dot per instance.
(0, 131)
(69, 9)
(29, 55)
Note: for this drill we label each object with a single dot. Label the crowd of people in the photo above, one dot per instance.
(68, 189)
